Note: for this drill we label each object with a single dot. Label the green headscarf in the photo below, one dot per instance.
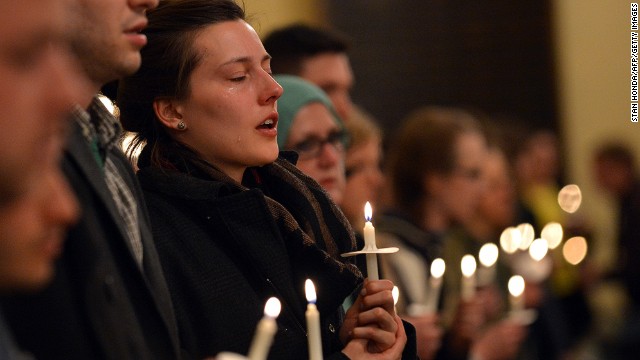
(297, 94)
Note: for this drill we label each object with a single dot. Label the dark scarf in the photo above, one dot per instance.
(300, 208)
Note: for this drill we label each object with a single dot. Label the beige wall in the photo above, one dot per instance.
(265, 15)
(593, 53)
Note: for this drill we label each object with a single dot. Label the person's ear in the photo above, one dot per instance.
(169, 113)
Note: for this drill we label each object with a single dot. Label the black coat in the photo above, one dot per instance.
(99, 305)
(224, 256)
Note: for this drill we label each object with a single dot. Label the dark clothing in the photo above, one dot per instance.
(225, 251)
(99, 304)
(629, 243)
(8, 348)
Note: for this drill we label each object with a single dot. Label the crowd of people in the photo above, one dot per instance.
(253, 171)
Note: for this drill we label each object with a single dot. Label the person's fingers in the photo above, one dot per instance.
(374, 286)
(350, 320)
(381, 298)
(379, 339)
(395, 352)
(378, 317)
(356, 349)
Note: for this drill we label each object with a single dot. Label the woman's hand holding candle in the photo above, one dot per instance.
(364, 320)
(358, 349)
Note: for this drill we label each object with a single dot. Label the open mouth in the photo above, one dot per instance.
(267, 124)
(137, 28)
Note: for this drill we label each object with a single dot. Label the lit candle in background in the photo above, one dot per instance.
(265, 331)
(527, 234)
(370, 243)
(313, 322)
(538, 249)
(510, 239)
(570, 198)
(552, 232)
(488, 256)
(575, 250)
(396, 295)
(468, 267)
(435, 284)
(516, 289)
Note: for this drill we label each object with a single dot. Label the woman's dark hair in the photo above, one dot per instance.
(424, 144)
(167, 63)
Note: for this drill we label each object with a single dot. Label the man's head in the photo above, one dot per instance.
(105, 36)
(317, 55)
(38, 86)
(614, 167)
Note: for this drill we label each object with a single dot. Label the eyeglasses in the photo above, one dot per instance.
(312, 146)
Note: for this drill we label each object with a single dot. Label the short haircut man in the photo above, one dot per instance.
(317, 55)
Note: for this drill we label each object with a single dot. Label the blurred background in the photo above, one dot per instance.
(561, 65)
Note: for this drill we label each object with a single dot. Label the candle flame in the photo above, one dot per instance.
(272, 308)
(468, 265)
(510, 240)
(488, 254)
(575, 250)
(368, 211)
(527, 235)
(570, 198)
(437, 268)
(538, 249)
(310, 291)
(396, 294)
(516, 285)
(552, 232)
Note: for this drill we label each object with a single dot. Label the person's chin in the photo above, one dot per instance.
(273, 154)
(266, 159)
(336, 195)
(130, 63)
(33, 277)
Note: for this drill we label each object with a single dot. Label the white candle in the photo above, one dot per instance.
(516, 289)
(395, 292)
(265, 331)
(370, 243)
(313, 323)
(468, 267)
(435, 284)
(488, 256)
